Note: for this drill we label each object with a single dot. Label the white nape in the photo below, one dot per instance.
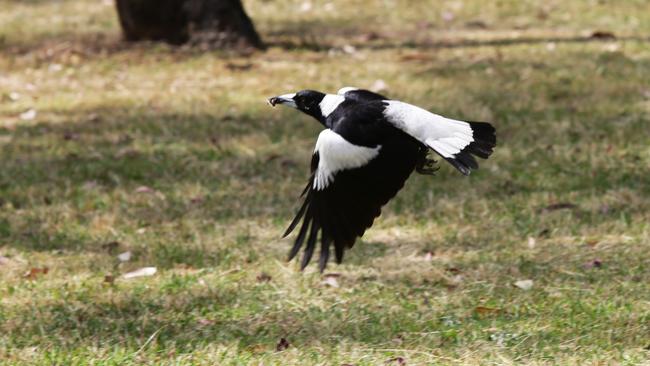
(336, 154)
(346, 89)
(445, 135)
(329, 103)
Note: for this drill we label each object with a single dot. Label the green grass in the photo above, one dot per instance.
(224, 172)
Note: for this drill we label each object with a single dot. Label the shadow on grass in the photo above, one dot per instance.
(316, 35)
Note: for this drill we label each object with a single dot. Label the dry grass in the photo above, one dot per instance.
(432, 282)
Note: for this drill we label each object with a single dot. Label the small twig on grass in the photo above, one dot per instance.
(146, 343)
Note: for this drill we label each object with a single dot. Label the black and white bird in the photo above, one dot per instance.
(369, 147)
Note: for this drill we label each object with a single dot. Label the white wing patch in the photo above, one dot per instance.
(329, 103)
(445, 135)
(336, 154)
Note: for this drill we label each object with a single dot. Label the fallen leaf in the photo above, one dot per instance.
(558, 206)
(397, 360)
(596, 263)
(124, 257)
(531, 242)
(111, 247)
(330, 281)
(370, 36)
(206, 321)
(282, 345)
(28, 115)
(55, 67)
(349, 49)
(197, 200)
(126, 152)
(416, 57)
(239, 67)
(476, 24)
(141, 272)
(35, 272)
(602, 35)
(453, 270)
(524, 284)
(109, 278)
(68, 136)
(144, 189)
(263, 277)
(484, 310)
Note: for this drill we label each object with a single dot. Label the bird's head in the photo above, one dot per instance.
(306, 101)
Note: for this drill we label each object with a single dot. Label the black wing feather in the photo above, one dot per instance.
(363, 95)
(484, 142)
(348, 206)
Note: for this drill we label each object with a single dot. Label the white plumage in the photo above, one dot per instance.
(337, 154)
(445, 135)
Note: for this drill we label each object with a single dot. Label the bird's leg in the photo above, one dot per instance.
(426, 165)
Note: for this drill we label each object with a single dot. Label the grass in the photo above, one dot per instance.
(172, 154)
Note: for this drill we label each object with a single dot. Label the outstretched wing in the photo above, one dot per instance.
(454, 140)
(360, 95)
(348, 186)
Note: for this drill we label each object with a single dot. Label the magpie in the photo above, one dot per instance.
(369, 147)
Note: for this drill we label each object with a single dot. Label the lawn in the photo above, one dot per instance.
(172, 155)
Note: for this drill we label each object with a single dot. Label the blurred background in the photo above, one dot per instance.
(145, 182)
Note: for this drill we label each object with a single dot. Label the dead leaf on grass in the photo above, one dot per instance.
(263, 277)
(428, 256)
(28, 115)
(144, 189)
(330, 281)
(35, 272)
(484, 310)
(124, 257)
(602, 35)
(141, 272)
(397, 361)
(282, 345)
(558, 206)
(111, 247)
(524, 284)
(596, 263)
(206, 322)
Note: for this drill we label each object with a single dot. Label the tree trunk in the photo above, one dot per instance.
(216, 23)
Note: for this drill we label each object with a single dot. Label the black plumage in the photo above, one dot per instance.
(369, 148)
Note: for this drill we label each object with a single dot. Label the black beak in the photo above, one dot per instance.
(273, 101)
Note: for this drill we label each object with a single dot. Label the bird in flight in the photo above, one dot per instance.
(369, 147)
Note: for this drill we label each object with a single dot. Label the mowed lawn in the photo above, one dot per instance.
(172, 154)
